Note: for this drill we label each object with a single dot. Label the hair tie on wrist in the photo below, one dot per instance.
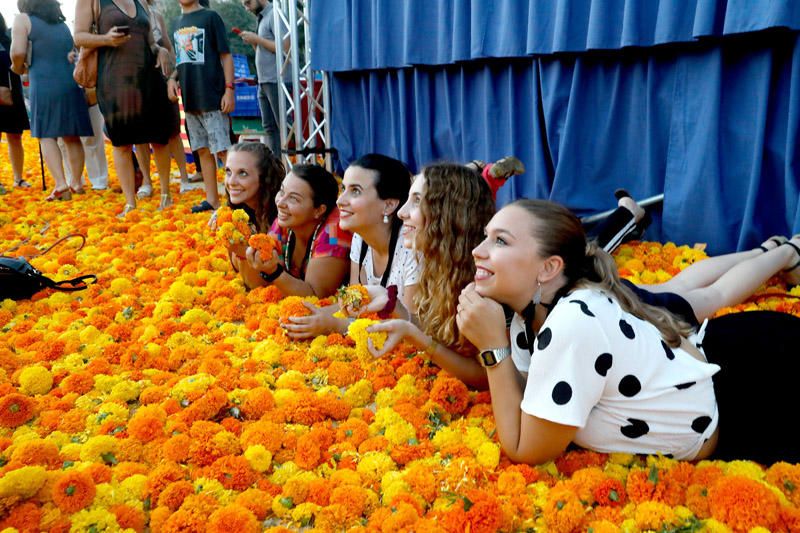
(387, 310)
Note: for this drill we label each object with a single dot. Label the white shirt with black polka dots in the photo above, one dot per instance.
(404, 272)
(596, 367)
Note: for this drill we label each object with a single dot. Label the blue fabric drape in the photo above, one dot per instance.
(376, 34)
(713, 125)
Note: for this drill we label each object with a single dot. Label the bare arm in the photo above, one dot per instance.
(83, 29)
(323, 277)
(19, 42)
(228, 102)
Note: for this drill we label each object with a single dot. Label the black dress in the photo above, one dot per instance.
(14, 118)
(130, 89)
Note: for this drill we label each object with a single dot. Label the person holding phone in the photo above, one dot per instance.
(131, 68)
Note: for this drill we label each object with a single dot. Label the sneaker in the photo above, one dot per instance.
(202, 206)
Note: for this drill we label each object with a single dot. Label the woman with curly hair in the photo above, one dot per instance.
(443, 220)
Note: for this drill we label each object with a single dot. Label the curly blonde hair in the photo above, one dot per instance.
(457, 205)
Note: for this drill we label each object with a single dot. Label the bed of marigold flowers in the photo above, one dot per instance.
(166, 398)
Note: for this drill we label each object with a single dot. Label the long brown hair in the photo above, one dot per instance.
(559, 232)
(270, 175)
(457, 205)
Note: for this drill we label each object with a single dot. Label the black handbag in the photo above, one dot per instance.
(19, 280)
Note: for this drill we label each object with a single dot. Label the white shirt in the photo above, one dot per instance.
(404, 272)
(610, 374)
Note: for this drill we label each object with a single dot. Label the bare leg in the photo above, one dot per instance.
(740, 282)
(161, 155)
(703, 273)
(208, 167)
(177, 153)
(124, 166)
(52, 156)
(16, 154)
(143, 157)
(75, 160)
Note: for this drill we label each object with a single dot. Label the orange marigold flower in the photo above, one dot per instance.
(234, 472)
(37, 452)
(173, 494)
(160, 477)
(15, 410)
(292, 306)
(563, 511)
(256, 501)
(258, 401)
(352, 430)
(73, 491)
(639, 486)
(319, 492)
(343, 373)
(79, 382)
(450, 393)
(743, 503)
(572, 461)
(610, 492)
(25, 518)
(485, 514)
(233, 517)
(264, 244)
(147, 423)
(697, 501)
(128, 517)
(99, 473)
(786, 477)
(176, 448)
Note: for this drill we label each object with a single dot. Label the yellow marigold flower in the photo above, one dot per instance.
(93, 519)
(625, 459)
(654, 515)
(282, 396)
(400, 432)
(209, 486)
(120, 285)
(488, 455)
(661, 462)
(714, 526)
(282, 473)
(105, 496)
(290, 379)
(195, 316)
(9, 305)
(194, 383)
(374, 464)
(99, 449)
(126, 391)
(445, 437)
(392, 487)
(23, 482)
(34, 380)
(71, 451)
(357, 330)
(282, 506)
(150, 332)
(260, 458)
(747, 469)
(359, 393)
(268, 351)
(304, 513)
(474, 438)
(104, 383)
(132, 488)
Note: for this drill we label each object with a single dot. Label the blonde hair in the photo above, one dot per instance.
(457, 205)
(559, 232)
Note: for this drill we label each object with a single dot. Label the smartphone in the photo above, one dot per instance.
(237, 31)
(124, 30)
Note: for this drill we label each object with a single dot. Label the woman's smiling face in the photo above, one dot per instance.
(411, 214)
(295, 202)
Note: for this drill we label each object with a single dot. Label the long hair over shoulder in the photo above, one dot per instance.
(270, 175)
(559, 232)
(457, 204)
(47, 10)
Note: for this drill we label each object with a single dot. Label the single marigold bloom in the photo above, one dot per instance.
(73, 491)
(563, 511)
(264, 244)
(99, 473)
(233, 517)
(450, 393)
(354, 296)
(25, 518)
(258, 401)
(173, 494)
(37, 452)
(786, 477)
(292, 306)
(610, 492)
(743, 503)
(256, 501)
(147, 423)
(128, 517)
(234, 472)
(15, 410)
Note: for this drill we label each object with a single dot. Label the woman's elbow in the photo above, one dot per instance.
(531, 456)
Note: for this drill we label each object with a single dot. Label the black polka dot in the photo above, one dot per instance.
(584, 307)
(668, 351)
(626, 329)
(682, 386)
(700, 423)
(522, 341)
(603, 363)
(629, 386)
(562, 393)
(635, 429)
(545, 336)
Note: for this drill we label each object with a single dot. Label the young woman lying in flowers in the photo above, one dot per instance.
(374, 187)
(252, 179)
(587, 362)
(313, 257)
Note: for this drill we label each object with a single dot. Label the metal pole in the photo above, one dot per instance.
(644, 203)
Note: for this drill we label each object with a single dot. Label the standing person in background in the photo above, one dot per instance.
(13, 118)
(160, 35)
(130, 85)
(58, 105)
(264, 44)
(205, 70)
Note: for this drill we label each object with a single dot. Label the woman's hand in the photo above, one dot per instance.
(481, 320)
(267, 266)
(319, 322)
(172, 90)
(115, 38)
(378, 298)
(397, 329)
(164, 61)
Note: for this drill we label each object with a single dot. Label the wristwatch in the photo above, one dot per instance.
(490, 358)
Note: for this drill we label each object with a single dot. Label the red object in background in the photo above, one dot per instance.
(237, 31)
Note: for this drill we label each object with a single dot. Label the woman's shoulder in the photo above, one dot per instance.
(332, 234)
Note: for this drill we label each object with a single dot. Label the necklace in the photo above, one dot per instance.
(288, 250)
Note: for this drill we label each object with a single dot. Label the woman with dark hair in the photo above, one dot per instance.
(591, 363)
(131, 71)
(314, 250)
(13, 118)
(58, 105)
(374, 188)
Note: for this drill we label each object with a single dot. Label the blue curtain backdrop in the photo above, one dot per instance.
(712, 120)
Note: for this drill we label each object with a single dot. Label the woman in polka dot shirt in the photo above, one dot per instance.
(590, 364)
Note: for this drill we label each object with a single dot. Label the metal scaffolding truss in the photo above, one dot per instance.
(303, 94)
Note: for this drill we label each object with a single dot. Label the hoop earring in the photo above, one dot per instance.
(385, 218)
(537, 296)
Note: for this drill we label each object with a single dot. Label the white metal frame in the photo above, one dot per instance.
(312, 132)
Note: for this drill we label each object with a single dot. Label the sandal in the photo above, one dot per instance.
(61, 195)
(125, 210)
(145, 191)
(22, 184)
(77, 190)
(793, 278)
(777, 240)
(166, 201)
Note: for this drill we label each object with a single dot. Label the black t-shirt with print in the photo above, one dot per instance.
(200, 39)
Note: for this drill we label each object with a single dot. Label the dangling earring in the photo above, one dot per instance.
(537, 296)
(385, 218)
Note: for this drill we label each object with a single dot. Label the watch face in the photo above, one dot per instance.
(488, 358)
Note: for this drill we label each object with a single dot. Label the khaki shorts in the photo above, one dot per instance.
(209, 129)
